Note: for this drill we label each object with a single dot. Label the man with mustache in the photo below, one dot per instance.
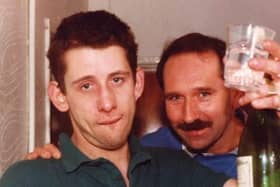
(205, 117)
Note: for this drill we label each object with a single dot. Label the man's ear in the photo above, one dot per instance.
(57, 97)
(236, 95)
(139, 82)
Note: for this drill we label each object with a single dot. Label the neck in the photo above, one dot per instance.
(119, 157)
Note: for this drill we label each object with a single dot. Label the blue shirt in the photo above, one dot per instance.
(164, 137)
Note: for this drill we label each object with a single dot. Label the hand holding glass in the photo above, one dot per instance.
(244, 43)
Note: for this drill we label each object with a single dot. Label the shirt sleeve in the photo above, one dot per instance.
(28, 173)
(13, 177)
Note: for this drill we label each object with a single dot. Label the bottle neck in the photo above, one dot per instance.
(262, 118)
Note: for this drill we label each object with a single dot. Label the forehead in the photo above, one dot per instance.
(87, 61)
(192, 70)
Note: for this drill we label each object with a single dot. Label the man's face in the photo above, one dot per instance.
(198, 105)
(100, 96)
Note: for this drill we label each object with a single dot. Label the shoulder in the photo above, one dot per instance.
(163, 137)
(28, 173)
(161, 131)
(169, 157)
(187, 171)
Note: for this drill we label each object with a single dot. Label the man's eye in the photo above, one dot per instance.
(86, 86)
(174, 98)
(204, 94)
(118, 80)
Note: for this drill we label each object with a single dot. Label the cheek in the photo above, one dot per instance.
(219, 115)
(82, 103)
(174, 113)
(216, 115)
(222, 112)
(126, 100)
(217, 106)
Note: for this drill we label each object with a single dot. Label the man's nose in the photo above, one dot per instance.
(107, 100)
(190, 112)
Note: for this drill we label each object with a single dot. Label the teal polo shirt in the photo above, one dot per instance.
(148, 167)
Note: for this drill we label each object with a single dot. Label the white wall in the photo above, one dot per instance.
(157, 21)
(13, 81)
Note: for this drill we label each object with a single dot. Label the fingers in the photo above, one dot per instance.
(248, 98)
(266, 65)
(259, 101)
(271, 66)
(268, 96)
(231, 183)
(272, 47)
(272, 102)
(53, 150)
(38, 153)
(30, 156)
(46, 152)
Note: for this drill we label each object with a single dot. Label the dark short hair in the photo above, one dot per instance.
(193, 42)
(95, 29)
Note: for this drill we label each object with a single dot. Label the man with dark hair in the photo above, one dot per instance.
(193, 42)
(97, 81)
(201, 110)
(204, 115)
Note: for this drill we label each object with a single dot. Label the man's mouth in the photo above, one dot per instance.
(110, 121)
(197, 132)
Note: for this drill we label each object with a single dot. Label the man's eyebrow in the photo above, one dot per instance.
(126, 73)
(203, 88)
(171, 94)
(83, 78)
(88, 77)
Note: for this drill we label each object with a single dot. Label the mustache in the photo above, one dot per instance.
(195, 125)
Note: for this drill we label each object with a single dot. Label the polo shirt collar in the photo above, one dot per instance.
(72, 157)
(138, 153)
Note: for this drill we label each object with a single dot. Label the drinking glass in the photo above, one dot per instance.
(244, 43)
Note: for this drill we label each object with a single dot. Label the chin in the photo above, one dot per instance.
(197, 148)
(116, 143)
(115, 146)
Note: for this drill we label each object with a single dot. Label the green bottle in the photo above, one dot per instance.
(258, 161)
